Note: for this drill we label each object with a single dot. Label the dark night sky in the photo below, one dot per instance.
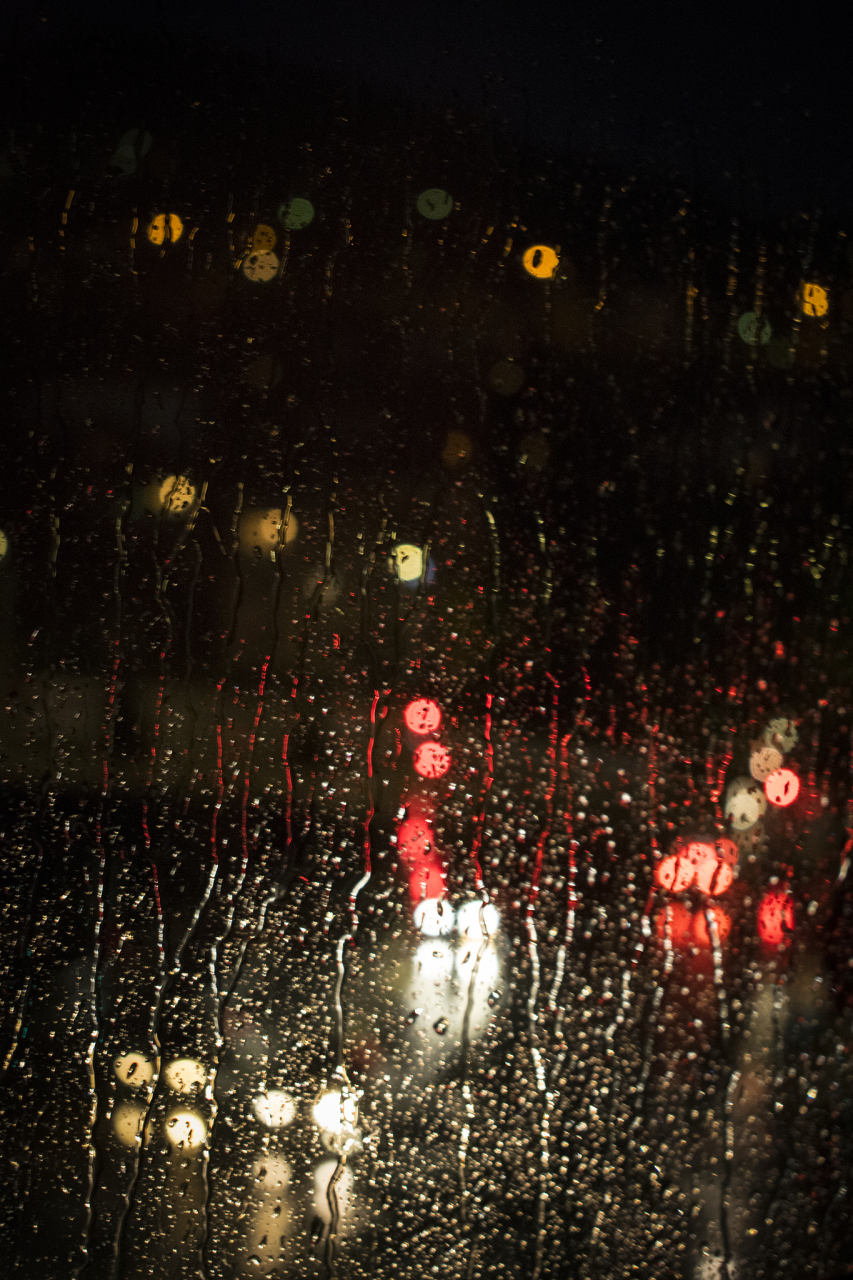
(752, 101)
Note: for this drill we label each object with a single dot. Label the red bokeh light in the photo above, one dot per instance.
(431, 760)
(782, 787)
(687, 928)
(727, 851)
(703, 863)
(422, 716)
(674, 873)
(775, 917)
(712, 876)
(702, 925)
(416, 847)
(414, 838)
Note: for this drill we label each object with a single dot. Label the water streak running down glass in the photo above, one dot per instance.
(425, 805)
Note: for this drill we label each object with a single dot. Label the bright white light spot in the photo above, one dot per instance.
(134, 1069)
(186, 1129)
(781, 733)
(407, 562)
(745, 803)
(275, 1109)
(185, 1075)
(331, 1112)
(434, 917)
(468, 920)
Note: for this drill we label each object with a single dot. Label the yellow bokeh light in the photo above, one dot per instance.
(134, 1069)
(407, 562)
(261, 266)
(265, 529)
(128, 1119)
(165, 226)
(815, 300)
(263, 238)
(174, 498)
(186, 1129)
(185, 1075)
(540, 260)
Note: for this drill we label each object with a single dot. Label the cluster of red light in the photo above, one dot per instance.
(775, 916)
(707, 864)
(431, 759)
(416, 849)
(685, 928)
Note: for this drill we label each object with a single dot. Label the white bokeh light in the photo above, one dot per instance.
(434, 917)
(471, 925)
(274, 1109)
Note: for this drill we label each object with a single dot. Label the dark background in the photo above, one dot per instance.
(748, 101)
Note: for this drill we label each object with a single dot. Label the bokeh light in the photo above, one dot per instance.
(296, 214)
(185, 1130)
(260, 266)
(275, 1109)
(185, 1075)
(165, 226)
(134, 1069)
(775, 918)
(541, 261)
(264, 238)
(264, 529)
(764, 761)
(407, 562)
(422, 716)
(473, 917)
(434, 917)
(435, 204)
(782, 787)
(745, 803)
(431, 760)
(334, 1109)
(815, 299)
(781, 733)
(127, 1121)
(674, 873)
(754, 330)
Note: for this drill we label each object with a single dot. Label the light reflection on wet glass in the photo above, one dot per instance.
(426, 762)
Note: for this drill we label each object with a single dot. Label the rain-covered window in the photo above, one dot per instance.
(425, 649)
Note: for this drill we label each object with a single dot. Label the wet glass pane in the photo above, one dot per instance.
(425, 652)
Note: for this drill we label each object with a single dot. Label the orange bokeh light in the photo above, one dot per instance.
(422, 716)
(775, 917)
(702, 925)
(674, 873)
(782, 787)
(686, 928)
(432, 760)
(704, 863)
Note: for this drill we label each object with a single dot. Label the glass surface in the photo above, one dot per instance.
(425, 644)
